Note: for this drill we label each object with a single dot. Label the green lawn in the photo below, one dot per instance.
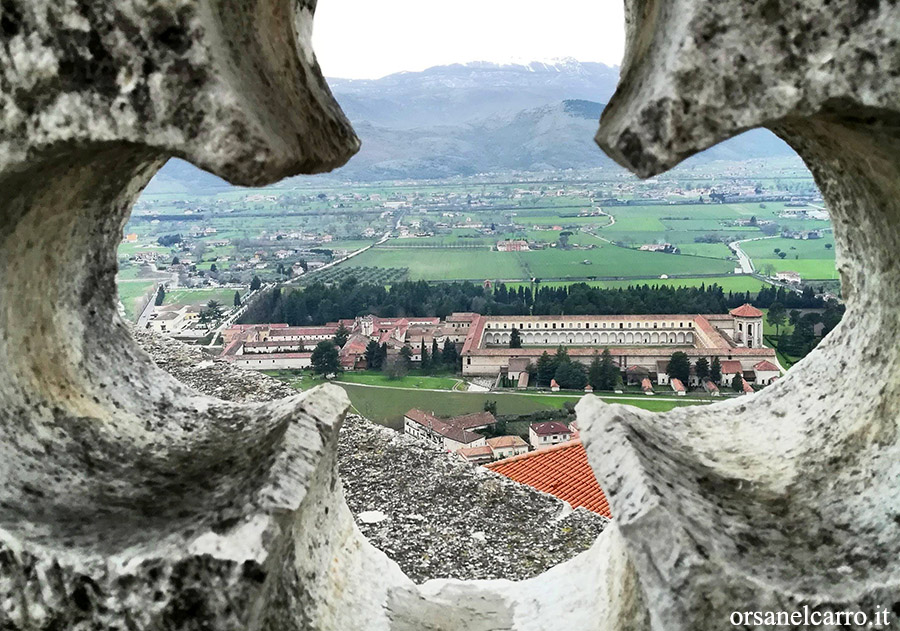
(133, 295)
(610, 260)
(387, 405)
(409, 381)
(807, 268)
(200, 297)
(442, 264)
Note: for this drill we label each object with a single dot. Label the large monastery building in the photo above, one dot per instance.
(633, 340)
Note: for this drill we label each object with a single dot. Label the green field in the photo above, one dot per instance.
(604, 260)
(133, 295)
(387, 405)
(199, 297)
(442, 264)
(408, 381)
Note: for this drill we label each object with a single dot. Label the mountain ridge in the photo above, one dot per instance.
(465, 119)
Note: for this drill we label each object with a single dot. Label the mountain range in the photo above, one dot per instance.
(464, 119)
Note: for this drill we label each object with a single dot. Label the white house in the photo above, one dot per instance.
(543, 435)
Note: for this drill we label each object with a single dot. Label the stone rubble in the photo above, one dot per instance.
(434, 514)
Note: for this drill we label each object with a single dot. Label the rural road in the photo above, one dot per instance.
(745, 261)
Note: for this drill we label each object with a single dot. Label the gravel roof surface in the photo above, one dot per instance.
(433, 513)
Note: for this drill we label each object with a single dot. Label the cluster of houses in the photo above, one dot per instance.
(460, 435)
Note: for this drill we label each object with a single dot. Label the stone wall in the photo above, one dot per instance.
(132, 502)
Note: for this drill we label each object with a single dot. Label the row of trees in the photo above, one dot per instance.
(604, 374)
(319, 303)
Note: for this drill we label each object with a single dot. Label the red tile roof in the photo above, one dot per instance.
(709, 386)
(550, 427)
(442, 427)
(732, 367)
(677, 386)
(746, 311)
(646, 386)
(562, 471)
(748, 389)
(766, 366)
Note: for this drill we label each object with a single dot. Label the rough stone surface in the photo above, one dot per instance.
(130, 501)
(433, 514)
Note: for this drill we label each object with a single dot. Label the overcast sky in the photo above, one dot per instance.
(367, 39)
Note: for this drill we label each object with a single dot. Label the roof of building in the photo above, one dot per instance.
(562, 471)
(442, 427)
(505, 442)
(631, 370)
(766, 366)
(550, 427)
(677, 386)
(646, 385)
(523, 379)
(746, 311)
(709, 386)
(476, 419)
(553, 383)
(748, 389)
(470, 453)
(731, 367)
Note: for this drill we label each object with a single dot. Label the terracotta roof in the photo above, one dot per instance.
(550, 427)
(442, 427)
(709, 386)
(748, 389)
(731, 367)
(646, 386)
(469, 452)
(677, 386)
(505, 442)
(562, 471)
(746, 311)
(589, 388)
(765, 365)
(468, 421)
(553, 383)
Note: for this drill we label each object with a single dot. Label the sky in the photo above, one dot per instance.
(368, 39)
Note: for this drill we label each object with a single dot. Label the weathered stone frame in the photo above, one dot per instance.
(131, 502)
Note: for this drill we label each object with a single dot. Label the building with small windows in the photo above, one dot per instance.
(544, 435)
(641, 343)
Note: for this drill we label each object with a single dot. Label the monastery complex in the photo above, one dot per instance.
(640, 344)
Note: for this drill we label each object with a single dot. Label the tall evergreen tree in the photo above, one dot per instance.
(701, 368)
(610, 372)
(255, 283)
(435, 353)
(237, 299)
(595, 373)
(382, 356)
(571, 375)
(406, 355)
(160, 296)
(325, 358)
(546, 369)
(426, 358)
(715, 371)
(515, 340)
(341, 336)
(737, 382)
(448, 355)
(373, 356)
(679, 367)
